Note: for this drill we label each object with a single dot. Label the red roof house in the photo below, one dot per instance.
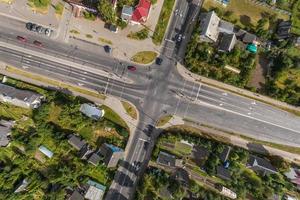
(141, 12)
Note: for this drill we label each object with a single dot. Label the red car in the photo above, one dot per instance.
(37, 43)
(131, 68)
(22, 39)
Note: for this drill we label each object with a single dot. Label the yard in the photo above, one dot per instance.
(242, 12)
(49, 125)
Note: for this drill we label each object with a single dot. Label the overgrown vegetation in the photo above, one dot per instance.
(295, 17)
(49, 125)
(40, 6)
(144, 57)
(244, 181)
(163, 21)
(89, 15)
(140, 35)
(203, 59)
(107, 12)
(59, 8)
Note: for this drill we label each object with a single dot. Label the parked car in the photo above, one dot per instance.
(22, 39)
(158, 61)
(37, 43)
(131, 68)
(29, 26)
(107, 49)
(48, 32)
(33, 27)
(39, 29)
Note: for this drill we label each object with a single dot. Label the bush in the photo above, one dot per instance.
(89, 15)
(140, 35)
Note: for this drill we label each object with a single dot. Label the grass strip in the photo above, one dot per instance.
(163, 120)
(130, 109)
(144, 57)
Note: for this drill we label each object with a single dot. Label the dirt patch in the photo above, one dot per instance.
(259, 73)
(106, 133)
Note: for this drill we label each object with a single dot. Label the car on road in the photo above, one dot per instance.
(107, 49)
(39, 29)
(22, 39)
(158, 61)
(131, 68)
(48, 32)
(137, 165)
(29, 26)
(178, 37)
(37, 43)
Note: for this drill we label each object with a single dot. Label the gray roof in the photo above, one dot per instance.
(199, 154)
(76, 142)
(94, 159)
(166, 159)
(22, 186)
(249, 38)
(5, 130)
(226, 27)
(260, 164)
(209, 26)
(14, 93)
(91, 111)
(283, 29)
(182, 176)
(127, 12)
(225, 154)
(76, 196)
(227, 42)
(223, 173)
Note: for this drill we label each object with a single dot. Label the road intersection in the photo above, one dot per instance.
(154, 90)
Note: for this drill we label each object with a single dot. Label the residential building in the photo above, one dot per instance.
(294, 176)
(95, 191)
(261, 165)
(227, 42)
(141, 12)
(284, 29)
(76, 142)
(79, 6)
(182, 176)
(166, 159)
(209, 27)
(226, 27)
(94, 159)
(17, 97)
(249, 38)
(251, 48)
(5, 132)
(76, 196)
(223, 173)
(21, 186)
(85, 152)
(199, 155)
(127, 12)
(92, 111)
(46, 151)
(111, 154)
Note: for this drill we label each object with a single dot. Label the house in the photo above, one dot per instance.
(111, 154)
(76, 142)
(127, 12)
(283, 30)
(226, 192)
(141, 12)
(5, 132)
(294, 176)
(94, 159)
(199, 155)
(95, 191)
(91, 111)
(227, 42)
(166, 159)
(85, 152)
(249, 38)
(182, 176)
(225, 154)
(260, 165)
(209, 27)
(21, 186)
(223, 173)
(251, 48)
(46, 151)
(76, 196)
(17, 97)
(226, 27)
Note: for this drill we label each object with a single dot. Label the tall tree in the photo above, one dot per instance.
(107, 12)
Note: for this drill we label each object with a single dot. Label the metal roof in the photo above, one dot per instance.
(46, 151)
(91, 111)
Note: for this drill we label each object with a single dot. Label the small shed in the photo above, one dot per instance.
(46, 151)
(252, 48)
(92, 111)
(126, 13)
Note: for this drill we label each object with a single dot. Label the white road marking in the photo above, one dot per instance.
(198, 91)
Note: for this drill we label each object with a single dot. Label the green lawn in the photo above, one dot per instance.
(163, 120)
(183, 148)
(39, 6)
(130, 109)
(114, 117)
(163, 21)
(59, 8)
(140, 35)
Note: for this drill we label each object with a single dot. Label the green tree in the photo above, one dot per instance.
(107, 11)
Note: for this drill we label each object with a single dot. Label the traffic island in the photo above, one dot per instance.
(144, 57)
(130, 109)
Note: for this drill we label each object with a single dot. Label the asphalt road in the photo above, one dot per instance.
(155, 90)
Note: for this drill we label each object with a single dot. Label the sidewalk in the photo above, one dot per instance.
(222, 86)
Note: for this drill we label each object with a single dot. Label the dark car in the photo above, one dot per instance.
(29, 26)
(107, 49)
(131, 68)
(39, 29)
(22, 39)
(34, 27)
(158, 61)
(179, 37)
(37, 43)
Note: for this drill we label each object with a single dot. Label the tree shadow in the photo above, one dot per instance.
(246, 21)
